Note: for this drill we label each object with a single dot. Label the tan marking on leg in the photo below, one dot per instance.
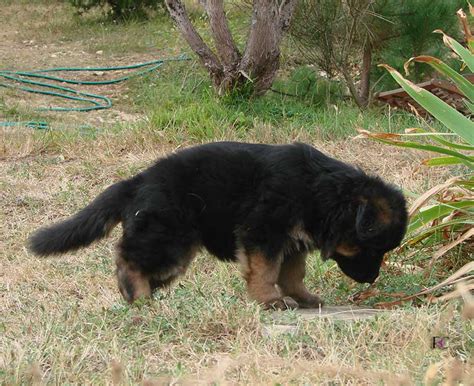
(243, 261)
(132, 283)
(261, 276)
(298, 233)
(290, 280)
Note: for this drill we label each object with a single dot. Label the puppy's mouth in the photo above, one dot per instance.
(360, 270)
(364, 279)
(369, 279)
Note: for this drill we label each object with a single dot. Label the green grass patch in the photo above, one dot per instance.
(182, 102)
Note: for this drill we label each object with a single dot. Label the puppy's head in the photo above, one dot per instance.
(373, 224)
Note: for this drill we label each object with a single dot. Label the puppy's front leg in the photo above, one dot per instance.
(261, 275)
(290, 280)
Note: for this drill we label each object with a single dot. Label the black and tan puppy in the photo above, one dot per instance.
(265, 206)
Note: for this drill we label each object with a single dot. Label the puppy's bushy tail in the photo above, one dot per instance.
(92, 223)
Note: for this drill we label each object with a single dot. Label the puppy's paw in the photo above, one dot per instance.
(310, 301)
(284, 303)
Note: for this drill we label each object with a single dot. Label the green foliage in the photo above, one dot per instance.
(189, 109)
(333, 34)
(413, 23)
(445, 213)
(410, 26)
(317, 27)
(119, 9)
(304, 83)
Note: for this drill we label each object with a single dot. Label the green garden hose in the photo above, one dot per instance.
(22, 80)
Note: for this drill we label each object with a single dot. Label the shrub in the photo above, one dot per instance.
(119, 9)
(443, 217)
(346, 37)
(306, 85)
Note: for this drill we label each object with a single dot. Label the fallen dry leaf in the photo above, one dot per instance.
(456, 277)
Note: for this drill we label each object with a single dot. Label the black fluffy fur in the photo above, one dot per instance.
(225, 196)
(90, 224)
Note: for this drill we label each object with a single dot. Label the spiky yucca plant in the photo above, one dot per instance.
(443, 217)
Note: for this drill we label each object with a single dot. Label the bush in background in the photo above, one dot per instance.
(119, 9)
(346, 37)
(305, 84)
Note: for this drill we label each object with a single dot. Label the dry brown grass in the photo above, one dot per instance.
(64, 322)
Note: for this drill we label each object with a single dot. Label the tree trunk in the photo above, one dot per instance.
(207, 57)
(364, 89)
(226, 49)
(360, 94)
(352, 87)
(262, 53)
(260, 60)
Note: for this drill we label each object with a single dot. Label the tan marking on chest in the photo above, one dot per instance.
(347, 250)
(298, 233)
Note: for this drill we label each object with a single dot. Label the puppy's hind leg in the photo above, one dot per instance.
(168, 262)
(132, 282)
(180, 259)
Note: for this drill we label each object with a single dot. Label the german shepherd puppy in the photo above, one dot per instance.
(265, 206)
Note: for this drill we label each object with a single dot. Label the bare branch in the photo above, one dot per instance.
(207, 57)
(364, 91)
(287, 8)
(226, 48)
(351, 84)
(229, 69)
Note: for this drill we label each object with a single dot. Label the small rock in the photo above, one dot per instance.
(346, 313)
(278, 329)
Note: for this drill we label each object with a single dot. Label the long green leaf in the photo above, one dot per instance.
(450, 117)
(466, 160)
(438, 138)
(464, 85)
(428, 232)
(443, 161)
(453, 145)
(463, 53)
(468, 184)
(426, 215)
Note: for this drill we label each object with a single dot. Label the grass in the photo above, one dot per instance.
(62, 320)
(194, 110)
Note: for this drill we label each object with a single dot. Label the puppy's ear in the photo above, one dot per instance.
(368, 223)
